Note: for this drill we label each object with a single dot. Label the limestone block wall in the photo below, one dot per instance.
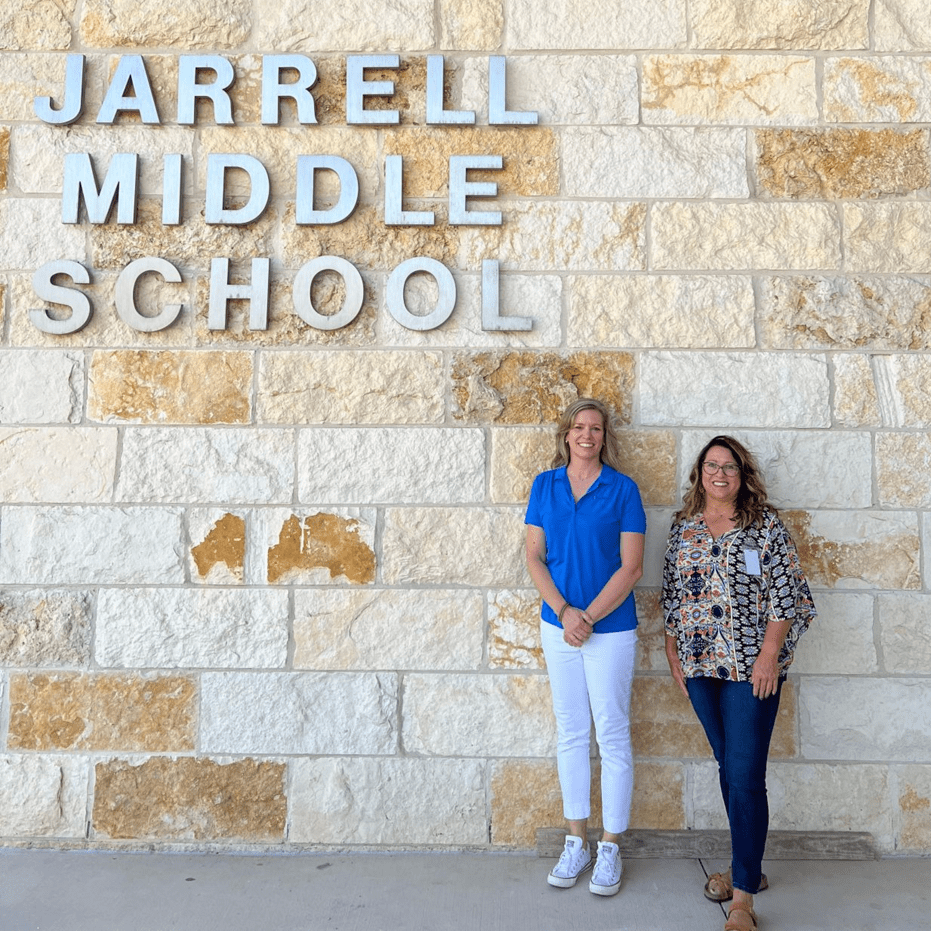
(264, 585)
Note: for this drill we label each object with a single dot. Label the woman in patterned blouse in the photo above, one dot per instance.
(735, 602)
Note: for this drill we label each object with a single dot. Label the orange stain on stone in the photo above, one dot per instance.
(324, 541)
(4, 155)
(225, 544)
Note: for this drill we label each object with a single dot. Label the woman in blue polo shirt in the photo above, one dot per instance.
(585, 527)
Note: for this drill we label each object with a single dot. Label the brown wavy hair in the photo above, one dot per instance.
(610, 448)
(751, 497)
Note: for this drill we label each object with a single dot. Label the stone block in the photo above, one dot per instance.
(659, 521)
(903, 622)
(778, 24)
(471, 24)
(185, 799)
(856, 402)
(454, 546)
(902, 382)
(878, 89)
(348, 630)
(535, 388)
(525, 796)
(484, 716)
(299, 713)
(913, 821)
(37, 24)
(536, 297)
(351, 388)
(562, 89)
(4, 156)
(518, 455)
(218, 547)
(514, 630)
(848, 719)
(79, 711)
(658, 802)
(887, 236)
(840, 639)
(315, 547)
(370, 801)
(926, 544)
(296, 26)
(44, 795)
(191, 628)
(41, 386)
(90, 546)
(747, 390)
(567, 25)
(863, 312)
(400, 465)
(723, 237)
(560, 236)
(903, 461)
(27, 75)
(45, 627)
(662, 722)
(857, 549)
(213, 24)
(651, 634)
(901, 26)
(801, 469)
(64, 464)
(233, 466)
(729, 89)
(689, 311)
(168, 387)
(827, 164)
(36, 235)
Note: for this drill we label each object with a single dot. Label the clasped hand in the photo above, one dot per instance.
(577, 626)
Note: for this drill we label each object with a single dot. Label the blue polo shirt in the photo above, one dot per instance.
(583, 539)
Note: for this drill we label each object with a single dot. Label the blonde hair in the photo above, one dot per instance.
(751, 496)
(610, 449)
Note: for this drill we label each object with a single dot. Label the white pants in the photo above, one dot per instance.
(593, 681)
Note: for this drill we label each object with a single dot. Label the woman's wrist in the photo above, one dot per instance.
(562, 611)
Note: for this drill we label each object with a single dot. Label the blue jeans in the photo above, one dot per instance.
(739, 728)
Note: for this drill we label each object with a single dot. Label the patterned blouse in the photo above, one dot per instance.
(719, 595)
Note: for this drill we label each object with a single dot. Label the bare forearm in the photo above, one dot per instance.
(615, 592)
(544, 584)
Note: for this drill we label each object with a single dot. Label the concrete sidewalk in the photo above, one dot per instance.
(49, 890)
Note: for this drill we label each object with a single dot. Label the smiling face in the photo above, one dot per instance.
(720, 488)
(586, 436)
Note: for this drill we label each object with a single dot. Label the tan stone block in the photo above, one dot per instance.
(651, 634)
(27, 75)
(658, 802)
(433, 629)
(729, 89)
(887, 236)
(4, 155)
(525, 796)
(533, 388)
(530, 153)
(76, 711)
(903, 624)
(836, 163)
(901, 25)
(471, 24)
(903, 384)
(691, 312)
(190, 245)
(36, 24)
(339, 547)
(662, 722)
(556, 236)
(164, 386)
(813, 312)
(518, 455)
(351, 388)
(454, 546)
(185, 799)
(887, 89)
(45, 627)
(903, 463)
(861, 549)
(514, 630)
(914, 814)
(212, 24)
(744, 236)
(782, 24)
(219, 555)
(856, 403)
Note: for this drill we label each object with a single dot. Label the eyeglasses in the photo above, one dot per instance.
(711, 468)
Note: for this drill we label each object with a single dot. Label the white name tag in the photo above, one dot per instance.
(752, 562)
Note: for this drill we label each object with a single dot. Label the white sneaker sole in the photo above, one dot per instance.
(604, 890)
(567, 882)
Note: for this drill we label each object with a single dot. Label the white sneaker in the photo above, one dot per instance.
(574, 860)
(606, 879)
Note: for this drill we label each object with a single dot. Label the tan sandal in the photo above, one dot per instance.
(720, 888)
(743, 920)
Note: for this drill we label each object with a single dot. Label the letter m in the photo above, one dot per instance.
(80, 184)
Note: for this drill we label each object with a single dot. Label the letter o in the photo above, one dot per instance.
(355, 292)
(446, 302)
